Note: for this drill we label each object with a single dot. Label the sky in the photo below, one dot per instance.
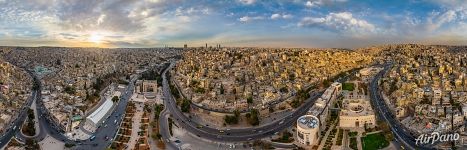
(250, 23)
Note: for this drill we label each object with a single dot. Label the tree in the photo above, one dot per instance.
(249, 100)
(185, 106)
(230, 119)
(222, 89)
(70, 90)
(115, 98)
(253, 117)
(68, 145)
(31, 144)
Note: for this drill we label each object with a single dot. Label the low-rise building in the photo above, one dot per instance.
(356, 113)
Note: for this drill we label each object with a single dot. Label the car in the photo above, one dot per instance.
(168, 141)
(221, 131)
(199, 126)
(260, 131)
(92, 138)
(249, 139)
(281, 122)
(106, 138)
(228, 129)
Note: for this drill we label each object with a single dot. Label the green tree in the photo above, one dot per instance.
(115, 98)
(249, 100)
(222, 89)
(185, 106)
(253, 117)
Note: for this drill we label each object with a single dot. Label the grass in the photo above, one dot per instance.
(340, 135)
(348, 86)
(353, 143)
(374, 141)
(352, 134)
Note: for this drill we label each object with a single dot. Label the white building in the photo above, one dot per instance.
(97, 117)
(308, 130)
(322, 105)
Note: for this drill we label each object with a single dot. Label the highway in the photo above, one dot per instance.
(232, 135)
(383, 113)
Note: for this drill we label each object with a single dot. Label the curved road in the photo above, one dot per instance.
(233, 135)
(47, 127)
(383, 113)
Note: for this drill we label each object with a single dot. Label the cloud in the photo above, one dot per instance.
(318, 3)
(275, 16)
(310, 4)
(246, 19)
(340, 22)
(247, 2)
(439, 19)
(279, 16)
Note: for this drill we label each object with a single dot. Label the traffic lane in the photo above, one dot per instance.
(394, 125)
(103, 134)
(307, 104)
(217, 136)
(206, 131)
(10, 133)
(250, 130)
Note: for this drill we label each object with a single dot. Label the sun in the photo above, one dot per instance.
(96, 38)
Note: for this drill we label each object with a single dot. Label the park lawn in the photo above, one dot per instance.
(353, 143)
(374, 141)
(348, 86)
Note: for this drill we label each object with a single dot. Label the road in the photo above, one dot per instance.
(232, 135)
(47, 126)
(14, 128)
(383, 113)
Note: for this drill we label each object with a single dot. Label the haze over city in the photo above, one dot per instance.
(256, 23)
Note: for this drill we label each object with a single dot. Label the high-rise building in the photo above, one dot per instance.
(185, 46)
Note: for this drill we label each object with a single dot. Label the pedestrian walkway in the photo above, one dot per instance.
(136, 126)
(323, 140)
(78, 134)
(50, 143)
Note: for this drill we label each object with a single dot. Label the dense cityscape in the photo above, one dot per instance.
(260, 98)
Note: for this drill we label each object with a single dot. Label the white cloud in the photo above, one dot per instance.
(275, 16)
(279, 16)
(247, 2)
(438, 19)
(245, 19)
(341, 22)
(287, 16)
(317, 3)
(310, 4)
